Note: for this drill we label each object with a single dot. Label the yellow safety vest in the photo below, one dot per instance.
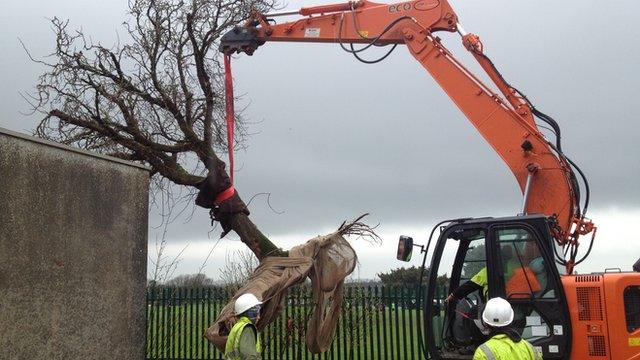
(232, 347)
(482, 279)
(500, 347)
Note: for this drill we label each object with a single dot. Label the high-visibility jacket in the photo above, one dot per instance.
(501, 347)
(522, 282)
(232, 347)
(481, 279)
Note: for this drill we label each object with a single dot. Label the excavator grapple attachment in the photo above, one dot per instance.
(240, 40)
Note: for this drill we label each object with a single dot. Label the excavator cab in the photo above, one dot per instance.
(510, 257)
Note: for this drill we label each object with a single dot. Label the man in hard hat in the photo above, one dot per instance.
(243, 342)
(505, 343)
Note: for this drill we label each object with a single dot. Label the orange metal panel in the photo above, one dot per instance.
(370, 18)
(598, 316)
(585, 297)
(624, 344)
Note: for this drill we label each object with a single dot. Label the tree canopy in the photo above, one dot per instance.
(156, 97)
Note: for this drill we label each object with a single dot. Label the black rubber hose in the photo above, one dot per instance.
(376, 60)
(373, 42)
(587, 190)
(549, 120)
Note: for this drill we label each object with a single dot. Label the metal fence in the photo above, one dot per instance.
(376, 323)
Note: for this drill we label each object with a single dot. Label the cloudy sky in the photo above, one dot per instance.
(348, 138)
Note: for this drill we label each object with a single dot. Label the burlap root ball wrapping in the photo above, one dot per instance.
(326, 260)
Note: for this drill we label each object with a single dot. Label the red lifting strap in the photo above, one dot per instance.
(228, 85)
(225, 195)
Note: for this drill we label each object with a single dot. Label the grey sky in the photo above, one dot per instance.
(348, 138)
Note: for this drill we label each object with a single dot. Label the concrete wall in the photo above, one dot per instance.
(73, 253)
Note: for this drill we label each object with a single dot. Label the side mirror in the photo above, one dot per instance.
(405, 248)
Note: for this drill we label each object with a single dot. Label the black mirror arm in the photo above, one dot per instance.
(422, 248)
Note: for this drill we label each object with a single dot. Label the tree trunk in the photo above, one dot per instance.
(254, 238)
(232, 213)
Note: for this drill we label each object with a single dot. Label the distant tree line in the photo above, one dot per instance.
(236, 272)
(408, 276)
(185, 280)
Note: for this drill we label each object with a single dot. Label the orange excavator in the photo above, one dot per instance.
(564, 315)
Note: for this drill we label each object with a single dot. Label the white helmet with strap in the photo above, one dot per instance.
(498, 312)
(245, 302)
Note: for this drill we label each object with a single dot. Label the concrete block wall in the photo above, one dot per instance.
(73, 252)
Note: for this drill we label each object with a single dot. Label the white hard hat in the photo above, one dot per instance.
(498, 312)
(245, 302)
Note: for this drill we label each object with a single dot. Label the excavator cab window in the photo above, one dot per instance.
(524, 278)
(632, 307)
(465, 322)
(524, 273)
(463, 261)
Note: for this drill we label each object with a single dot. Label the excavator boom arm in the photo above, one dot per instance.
(506, 122)
(352, 22)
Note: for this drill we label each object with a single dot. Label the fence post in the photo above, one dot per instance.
(370, 312)
(181, 325)
(412, 310)
(148, 321)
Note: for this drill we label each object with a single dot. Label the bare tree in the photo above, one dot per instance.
(156, 98)
(164, 266)
(191, 280)
(238, 267)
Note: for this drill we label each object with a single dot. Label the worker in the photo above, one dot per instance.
(504, 343)
(243, 342)
(467, 326)
(518, 282)
(537, 265)
(480, 280)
